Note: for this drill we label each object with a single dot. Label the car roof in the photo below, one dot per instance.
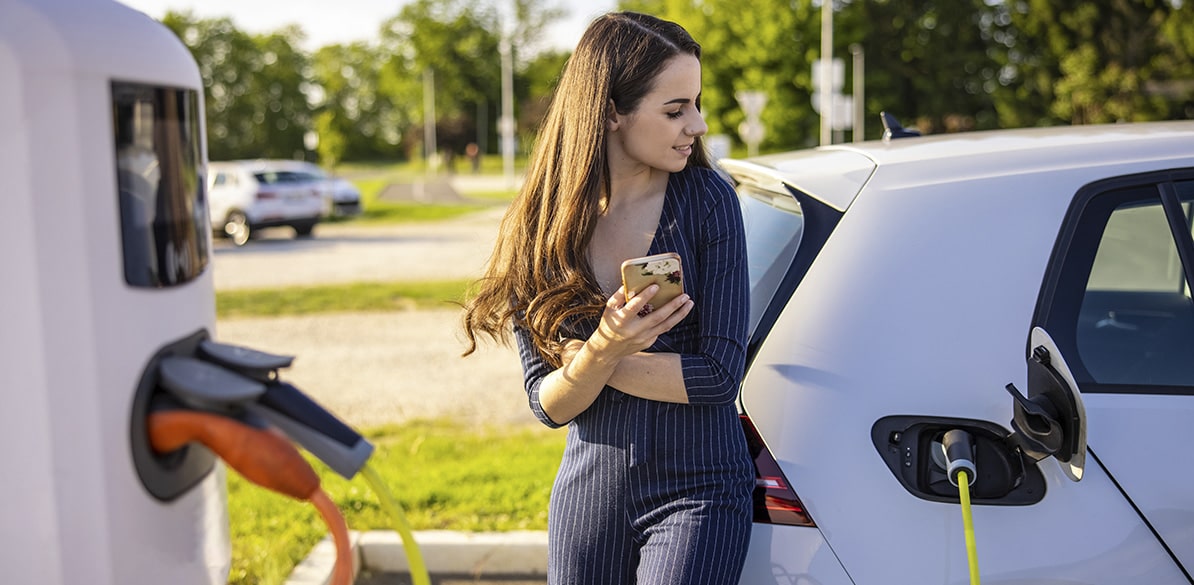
(254, 165)
(837, 173)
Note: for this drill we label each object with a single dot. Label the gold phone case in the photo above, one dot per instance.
(662, 269)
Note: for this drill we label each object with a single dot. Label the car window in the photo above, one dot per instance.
(774, 224)
(273, 177)
(316, 173)
(1133, 329)
(785, 230)
(220, 179)
(1137, 252)
(304, 176)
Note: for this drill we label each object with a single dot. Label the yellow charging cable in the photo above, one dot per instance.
(968, 526)
(414, 557)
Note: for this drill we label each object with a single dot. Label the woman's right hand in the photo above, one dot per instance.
(624, 332)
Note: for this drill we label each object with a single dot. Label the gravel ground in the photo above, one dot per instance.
(379, 368)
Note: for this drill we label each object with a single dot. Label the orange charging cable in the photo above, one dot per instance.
(263, 457)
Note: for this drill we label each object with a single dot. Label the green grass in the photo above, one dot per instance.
(491, 164)
(389, 212)
(340, 298)
(494, 196)
(372, 178)
(443, 476)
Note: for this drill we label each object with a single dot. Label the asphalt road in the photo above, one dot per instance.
(343, 252)
(379, 368)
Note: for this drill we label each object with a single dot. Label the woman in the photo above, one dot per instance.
(655, 484)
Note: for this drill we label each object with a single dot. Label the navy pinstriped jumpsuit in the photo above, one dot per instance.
(654, 492)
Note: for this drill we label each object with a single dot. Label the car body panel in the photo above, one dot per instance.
(837, 175)
(920, 303)
(1142, 440)
(787, 555)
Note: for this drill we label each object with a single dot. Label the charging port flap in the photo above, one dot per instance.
(1051, 420)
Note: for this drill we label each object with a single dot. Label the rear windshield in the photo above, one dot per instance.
(274, 177)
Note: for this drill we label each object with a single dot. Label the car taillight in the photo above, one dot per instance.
(774, 499)
(266, 195)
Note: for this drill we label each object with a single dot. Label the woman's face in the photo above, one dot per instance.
(660, 134)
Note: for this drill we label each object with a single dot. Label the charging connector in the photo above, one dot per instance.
(959, 457)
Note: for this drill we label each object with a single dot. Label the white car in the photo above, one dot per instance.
(247, 196)
(1031, 288)
(341, 197)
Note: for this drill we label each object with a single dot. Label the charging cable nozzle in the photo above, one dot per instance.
(959, 455)
(236, 381)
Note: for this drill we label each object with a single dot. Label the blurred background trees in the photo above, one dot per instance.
(939, 65)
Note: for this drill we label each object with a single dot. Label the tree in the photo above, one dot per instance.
(280, 81)
(354, 113)
(332, 141)
(452, 38)
(254, 100)
(767, 48)
(1076, 62)
(537, 82)
(927, 62)
(531, 20)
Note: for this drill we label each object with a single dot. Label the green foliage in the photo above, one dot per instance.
(332, 141)
(456, 43)
(357, 118)
(386, 212)
(442, 474)
(364, 100)
(339, 298)
(1075, 62)
(926, 62)
(942, 65)
(254, 100)
(537, 81)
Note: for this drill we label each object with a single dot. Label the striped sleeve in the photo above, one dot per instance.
(714, 373)
(534, 369)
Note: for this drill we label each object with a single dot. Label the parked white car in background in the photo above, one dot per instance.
(341, 197)
(247, 196)
(907, 288)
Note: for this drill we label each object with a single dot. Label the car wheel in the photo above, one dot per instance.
(303, 230)
(236, 228)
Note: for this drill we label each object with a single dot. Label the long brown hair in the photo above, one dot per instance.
(539, 273)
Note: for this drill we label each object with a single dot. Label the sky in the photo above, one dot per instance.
(343, 21)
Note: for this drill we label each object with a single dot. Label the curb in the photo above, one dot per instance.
(489, 554)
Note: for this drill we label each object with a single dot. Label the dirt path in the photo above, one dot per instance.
(377, 368)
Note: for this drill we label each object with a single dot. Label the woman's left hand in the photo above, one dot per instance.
(625, 329)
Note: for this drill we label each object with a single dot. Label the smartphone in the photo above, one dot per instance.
(661, 269)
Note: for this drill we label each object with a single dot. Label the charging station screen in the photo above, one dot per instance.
(163, 203)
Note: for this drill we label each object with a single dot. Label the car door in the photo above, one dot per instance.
(1117, 302)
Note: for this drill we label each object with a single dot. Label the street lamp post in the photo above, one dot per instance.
(506, 121)
(826, 68)
(429, 145)
(859, 92)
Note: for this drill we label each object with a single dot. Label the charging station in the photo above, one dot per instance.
(105, 266)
